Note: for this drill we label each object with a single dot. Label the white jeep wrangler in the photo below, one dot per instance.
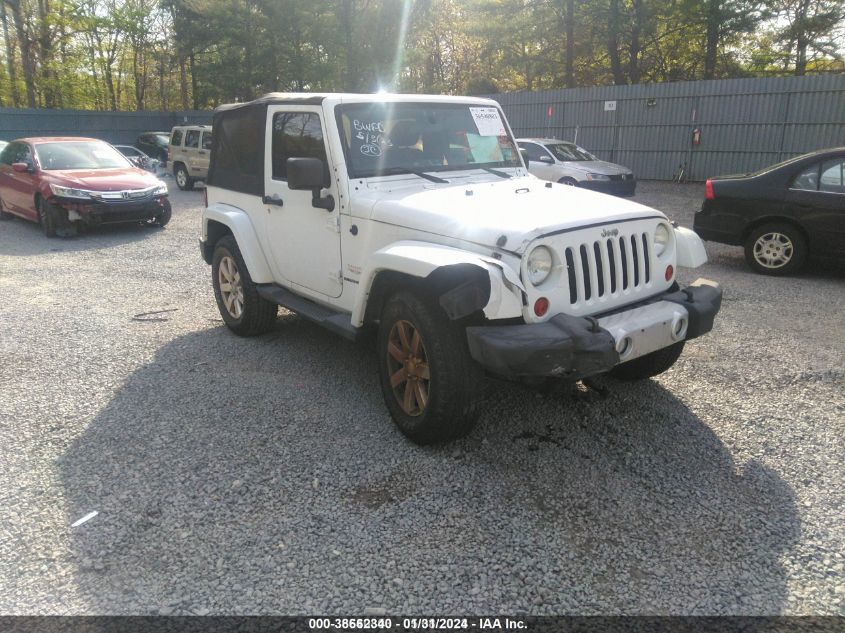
(416, 214)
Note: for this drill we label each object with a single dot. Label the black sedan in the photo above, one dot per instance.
(782, 214)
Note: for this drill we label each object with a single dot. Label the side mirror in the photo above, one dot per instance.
(22, 167)
(309, 173)
(525, 159)
(547, 159)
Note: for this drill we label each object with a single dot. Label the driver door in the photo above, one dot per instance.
(304, 240)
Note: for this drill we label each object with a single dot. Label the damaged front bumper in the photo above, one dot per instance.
(118, 212)
(577, 347)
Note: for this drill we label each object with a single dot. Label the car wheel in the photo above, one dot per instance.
(571, 182)
(183, 181)
(649, 365)
(776, 249)
(243, 310)
(162, 218)
(431, 385)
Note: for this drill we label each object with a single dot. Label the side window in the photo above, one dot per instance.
(296, 135)
(176, 138)
(206, 140)
(6, 156)
(533, 150)
(192, 138)
(807, 180)
(833, 176)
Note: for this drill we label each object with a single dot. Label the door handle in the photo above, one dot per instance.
(274, 200)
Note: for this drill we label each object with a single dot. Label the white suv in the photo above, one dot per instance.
(188, 154)
(415, 215)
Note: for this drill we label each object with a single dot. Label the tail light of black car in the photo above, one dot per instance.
(708, 190)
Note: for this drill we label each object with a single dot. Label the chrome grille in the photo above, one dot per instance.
(607, 267)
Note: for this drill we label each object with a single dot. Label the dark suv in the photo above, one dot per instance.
(154, 145)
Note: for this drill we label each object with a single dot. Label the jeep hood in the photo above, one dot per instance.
(520, 209)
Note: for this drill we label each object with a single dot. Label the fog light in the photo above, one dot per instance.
(679, 328)
(541, 306)
(624, 346)
(669, 272)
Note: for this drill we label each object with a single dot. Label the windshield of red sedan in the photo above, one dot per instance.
(78, 155)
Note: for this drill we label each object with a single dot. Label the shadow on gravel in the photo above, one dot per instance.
(264, 476)
(29, 239)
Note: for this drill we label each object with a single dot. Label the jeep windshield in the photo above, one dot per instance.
(79, 155)
(393, 138)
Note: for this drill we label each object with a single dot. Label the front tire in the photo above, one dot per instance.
(649, 365)
(183, 180)
(776, 249)
(244, 311)
(569, 182)
(430, 383)
(162, 218)
(54, 221)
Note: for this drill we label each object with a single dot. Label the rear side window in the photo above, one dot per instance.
(237, 154)
(808, 179)
(206, 140)
(192, 138)
(7, 154)
(833, 176)
(296, 135)
(533, 150)
(176, 138)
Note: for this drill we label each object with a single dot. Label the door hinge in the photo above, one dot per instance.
(336, 276)
(333, 223)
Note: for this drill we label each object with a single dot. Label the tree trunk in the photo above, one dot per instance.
(613, 44)
(570, 43)
(183, 81)
(10, 58)
(712, 39)
(45, 42)
(802, 41)
(635, 48)
(26, 50)
(194, 95)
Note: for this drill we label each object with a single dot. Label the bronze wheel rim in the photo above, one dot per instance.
(407, 368)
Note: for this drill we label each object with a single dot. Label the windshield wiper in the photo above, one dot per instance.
(405, 170)
(496, 172)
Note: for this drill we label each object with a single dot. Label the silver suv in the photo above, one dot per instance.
(188, 154)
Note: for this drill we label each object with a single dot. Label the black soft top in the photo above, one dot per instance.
(237, 146)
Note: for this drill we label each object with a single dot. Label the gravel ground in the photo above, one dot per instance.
(264, 476)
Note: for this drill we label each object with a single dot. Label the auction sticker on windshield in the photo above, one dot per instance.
(488, 121)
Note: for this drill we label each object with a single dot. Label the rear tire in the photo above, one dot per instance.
(183, 180)
(649, 365)
(430, 383)
(244, 311)
(777, 249)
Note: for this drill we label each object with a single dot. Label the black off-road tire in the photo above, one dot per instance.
(799, 248)
(183, 179)
(258, 315)
(649, 365)
(456, 383)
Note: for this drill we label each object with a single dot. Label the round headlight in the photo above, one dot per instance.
(539, 265)
(661, 239)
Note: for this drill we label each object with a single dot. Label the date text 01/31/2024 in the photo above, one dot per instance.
(416, 624)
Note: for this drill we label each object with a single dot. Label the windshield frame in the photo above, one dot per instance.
(36, 146)
(342, 108)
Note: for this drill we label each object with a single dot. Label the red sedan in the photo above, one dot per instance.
(64, 182)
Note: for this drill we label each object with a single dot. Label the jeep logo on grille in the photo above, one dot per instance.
(610, 232)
